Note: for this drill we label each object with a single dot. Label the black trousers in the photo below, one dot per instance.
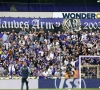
(22, 84)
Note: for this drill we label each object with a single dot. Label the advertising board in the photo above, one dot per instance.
(77, 15)
(16, 84)
(27, 14)
(69, 83)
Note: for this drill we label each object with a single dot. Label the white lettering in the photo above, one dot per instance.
(16, 24)
(76, 83)
(41, 24)
(9, 24)
(68, 83)
(35, 23)
(50, 25)
(4, 25)
(21, 23)
(26, 24)
(61, 83)
(47, 24)
(12, 25)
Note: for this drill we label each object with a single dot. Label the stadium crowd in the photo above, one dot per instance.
(90, 72)
(42, 52)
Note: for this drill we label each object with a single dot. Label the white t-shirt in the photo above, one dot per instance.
(84, 37)
(11, 67)
(63, 67)
(41, 52)
(7, 45)
(91, 33)
(73, 63)
(49, 71)
(51, 55)
(57, 74)
(48, 46)
(45, 73)
(48, 58)
(74, 37)
(31, 36)
(65, 62)
(45, 41)
(22, 42)
(63, 73)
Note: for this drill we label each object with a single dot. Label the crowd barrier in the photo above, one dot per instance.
(50, 83)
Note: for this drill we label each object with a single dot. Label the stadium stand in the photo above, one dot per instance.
(42, 50)
(55, 5)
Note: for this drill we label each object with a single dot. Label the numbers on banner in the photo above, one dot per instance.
(86, 25)
(90, 25)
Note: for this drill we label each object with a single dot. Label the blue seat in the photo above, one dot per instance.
(88, 9)
(82, 9)
(5, 7)
(37, 9)
(44, 9)
(68, 9)
(31, 8)
(98, 9)
(1, 8)
(75, 9)
(56, 9)
(94, 9)
(50, 9)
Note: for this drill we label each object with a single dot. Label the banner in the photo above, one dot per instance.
(69, 83)
(47, 23)
(77, 15)
(13, 84)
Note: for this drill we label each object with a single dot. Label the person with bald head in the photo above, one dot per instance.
(25, 71)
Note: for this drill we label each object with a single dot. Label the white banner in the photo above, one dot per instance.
(27, 14)
(16, 84)
(77, 15)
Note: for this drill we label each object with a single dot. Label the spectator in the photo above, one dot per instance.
(11, 69)
(7, 45)
(76, 73)
(31, 68)
(45, 73)
(4, 37)
(40, 74)
(56, 27)
(57, 73)
(13, 9)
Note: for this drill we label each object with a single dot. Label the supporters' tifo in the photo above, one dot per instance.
(42, 52)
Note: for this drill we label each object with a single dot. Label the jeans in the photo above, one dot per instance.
(22, 84)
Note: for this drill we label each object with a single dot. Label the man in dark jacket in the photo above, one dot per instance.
(25, 71)
(56, 28)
